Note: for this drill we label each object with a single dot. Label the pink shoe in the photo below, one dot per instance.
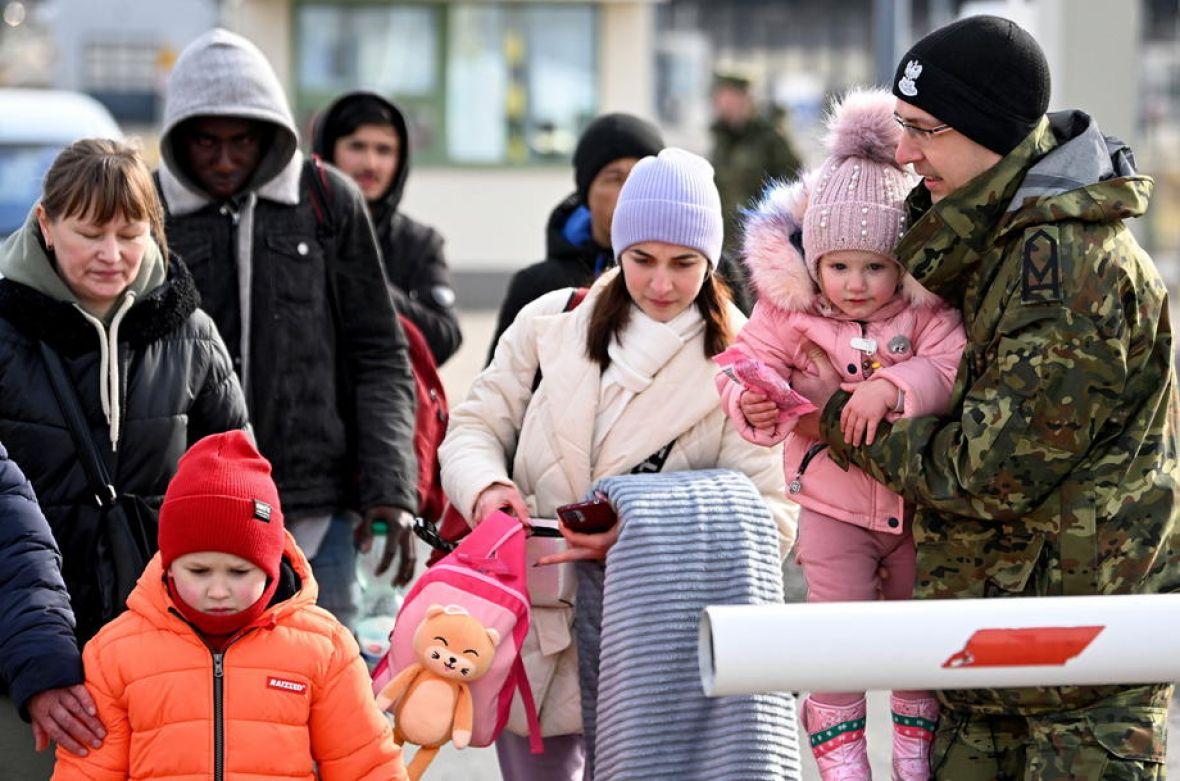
(838, 740)
(913, 731)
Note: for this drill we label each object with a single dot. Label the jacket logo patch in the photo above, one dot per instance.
(1040, 277)
(283, 684)
(907, 85)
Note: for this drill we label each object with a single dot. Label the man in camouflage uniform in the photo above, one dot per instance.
(1055, 472)
(748, 150)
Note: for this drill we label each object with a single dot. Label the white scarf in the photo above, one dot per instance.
(643, 348)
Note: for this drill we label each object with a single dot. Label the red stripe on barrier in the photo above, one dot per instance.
(1039, 645)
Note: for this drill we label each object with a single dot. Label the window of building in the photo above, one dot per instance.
(480, 83)
(124, 77)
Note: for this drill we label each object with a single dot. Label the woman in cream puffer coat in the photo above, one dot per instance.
(547, 447)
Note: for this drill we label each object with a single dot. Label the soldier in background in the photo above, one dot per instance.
(748, 149)
(1055, 473)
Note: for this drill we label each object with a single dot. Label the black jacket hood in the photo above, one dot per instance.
(327, 132)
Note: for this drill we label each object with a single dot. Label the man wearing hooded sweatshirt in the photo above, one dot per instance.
(365, 136)
(578, 246)
(290, 271)
(1055, 472)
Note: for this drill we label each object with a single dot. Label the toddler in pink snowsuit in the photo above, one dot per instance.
(819, 252)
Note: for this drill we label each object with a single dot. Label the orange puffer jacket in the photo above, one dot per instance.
(288, 696)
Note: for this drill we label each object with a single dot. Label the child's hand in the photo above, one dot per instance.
(759, 411)
(871, 401)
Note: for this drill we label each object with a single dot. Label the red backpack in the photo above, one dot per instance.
(430, 422)
(453, 526)
(430, 415)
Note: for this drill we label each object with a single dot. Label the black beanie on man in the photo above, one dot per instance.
(609, 138)
(984, 76)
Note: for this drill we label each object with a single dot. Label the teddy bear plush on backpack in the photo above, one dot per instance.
(430, 699)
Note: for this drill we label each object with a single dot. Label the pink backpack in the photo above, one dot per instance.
(486, 576)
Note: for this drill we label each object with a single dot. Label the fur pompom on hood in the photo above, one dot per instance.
(861, 125)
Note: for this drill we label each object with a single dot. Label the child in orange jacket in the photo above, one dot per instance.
(223, 667)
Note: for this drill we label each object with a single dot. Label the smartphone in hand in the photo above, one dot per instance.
(593, 517)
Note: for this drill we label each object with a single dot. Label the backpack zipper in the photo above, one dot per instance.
(480, 576)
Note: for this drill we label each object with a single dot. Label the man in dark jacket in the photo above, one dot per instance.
(365, 136)
(290, 271)
(578, 233)
(40, 665)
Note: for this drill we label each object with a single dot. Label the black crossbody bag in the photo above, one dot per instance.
(126, 535)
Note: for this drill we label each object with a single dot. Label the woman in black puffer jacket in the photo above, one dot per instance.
(89, 276)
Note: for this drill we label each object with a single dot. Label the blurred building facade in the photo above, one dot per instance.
(497, 92)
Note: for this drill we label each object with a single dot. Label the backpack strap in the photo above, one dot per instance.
(101, 485)
(536, 746)
(577, 296)
(320, 203)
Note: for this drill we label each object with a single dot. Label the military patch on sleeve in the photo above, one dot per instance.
(1040, 277)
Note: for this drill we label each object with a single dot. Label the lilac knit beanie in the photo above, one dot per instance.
(670, 197)
(858, 199)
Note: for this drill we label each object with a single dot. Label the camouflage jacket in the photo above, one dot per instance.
(1055, 472)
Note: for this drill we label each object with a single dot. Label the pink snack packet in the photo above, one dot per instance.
(752, 374)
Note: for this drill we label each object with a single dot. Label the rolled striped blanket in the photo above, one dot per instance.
(688, 539)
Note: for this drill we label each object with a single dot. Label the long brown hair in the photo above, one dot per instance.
(100, 179)
(612, 312)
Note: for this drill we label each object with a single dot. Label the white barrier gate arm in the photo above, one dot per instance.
(940, 644)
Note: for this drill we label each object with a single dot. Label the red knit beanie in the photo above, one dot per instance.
(223, 499)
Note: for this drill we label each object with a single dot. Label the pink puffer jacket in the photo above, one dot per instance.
(919, 341)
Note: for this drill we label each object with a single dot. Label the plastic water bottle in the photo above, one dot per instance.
(380, 600)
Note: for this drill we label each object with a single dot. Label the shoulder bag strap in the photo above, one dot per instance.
(67, 399)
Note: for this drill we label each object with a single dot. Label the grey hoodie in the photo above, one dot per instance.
(23, 259)
(223, 74)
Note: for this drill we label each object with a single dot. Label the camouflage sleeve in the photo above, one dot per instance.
(1025, 422)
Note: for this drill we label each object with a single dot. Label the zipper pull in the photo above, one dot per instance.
(229, 211)
(218, 665)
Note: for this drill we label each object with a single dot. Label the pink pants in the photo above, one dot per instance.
(840, 563)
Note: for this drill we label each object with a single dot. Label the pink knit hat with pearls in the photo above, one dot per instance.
(858, 200)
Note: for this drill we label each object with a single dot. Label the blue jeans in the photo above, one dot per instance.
(334, 567)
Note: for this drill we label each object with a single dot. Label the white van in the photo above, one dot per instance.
(36, 125)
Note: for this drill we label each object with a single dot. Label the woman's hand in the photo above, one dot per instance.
(500, 496)
(871, 401)
(760, 412)
(68, 717)
(583, 547)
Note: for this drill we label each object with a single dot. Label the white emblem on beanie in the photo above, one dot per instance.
(906, 85)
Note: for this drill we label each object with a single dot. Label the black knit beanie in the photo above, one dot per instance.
(608, 138)
(983, 75)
